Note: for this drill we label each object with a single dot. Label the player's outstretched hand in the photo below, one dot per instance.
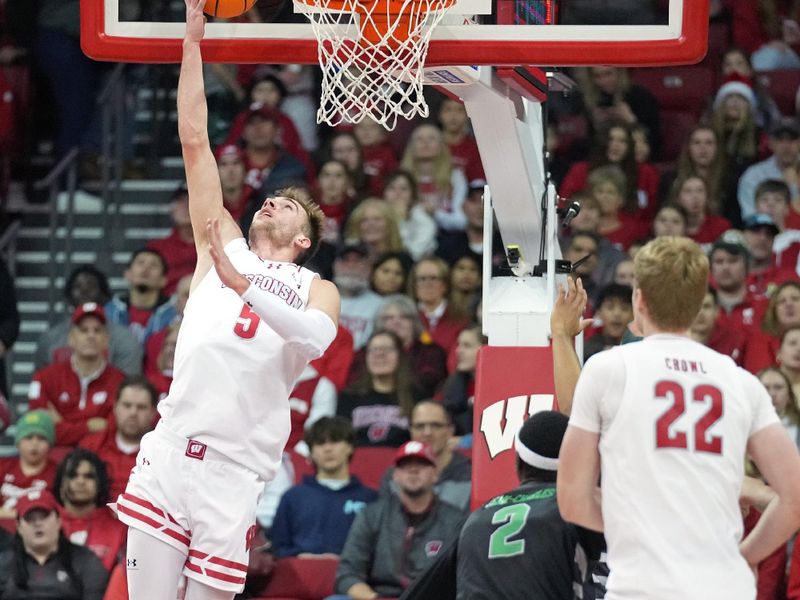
(567, 316)
(195, 20)
(226, 272)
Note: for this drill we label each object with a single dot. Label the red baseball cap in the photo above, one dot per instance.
(41, 499)
(225, 150)
(89, 309)
(414, 449)
(263, 111)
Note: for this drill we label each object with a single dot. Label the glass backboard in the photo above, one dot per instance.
(475, 32)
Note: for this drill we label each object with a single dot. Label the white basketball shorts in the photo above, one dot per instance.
(197, 501)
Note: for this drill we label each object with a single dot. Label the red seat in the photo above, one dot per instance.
(59, 453)
(782, 86)
(301, 579)
(686, 89)
(10, 525)
(302, 466)
(370, 463)
(675, 126)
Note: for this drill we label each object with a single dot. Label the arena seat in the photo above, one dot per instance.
(59, 453)
(370, 463)
(675, 126)
(686, 89)
(301, 579)
(10, 525)
(782, 86)
(302, 466)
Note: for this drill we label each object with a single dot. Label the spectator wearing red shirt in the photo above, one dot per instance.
(160, 375)
(771, 36)
(771, 580)
(155, 341)
(335, 197)
(428, 360)
(607, 186)
(269, 167)
(613, 145)
(235, 192)
(268, 90)
(763, 275)
(32, 469)
(313, 397)
(789, 357)
(430, 281)
(740, 309)
(79, 394)
(706, 330)
(82, 490)
(379, 157)
(177, 249)
(134, 415)
(704, 225)
(144, 309)
(793, 585)
(464, 153)
(782, 314)
(335, 363)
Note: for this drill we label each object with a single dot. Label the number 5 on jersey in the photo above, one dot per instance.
(667, 438)
(246, 323)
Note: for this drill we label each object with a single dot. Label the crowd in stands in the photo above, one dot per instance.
(404, 243)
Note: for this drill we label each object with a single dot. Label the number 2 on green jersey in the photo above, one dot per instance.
(500, 543)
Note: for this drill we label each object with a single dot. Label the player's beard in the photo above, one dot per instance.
(350, 285)
(268, 230)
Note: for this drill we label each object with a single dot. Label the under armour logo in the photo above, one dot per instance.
(131, 563)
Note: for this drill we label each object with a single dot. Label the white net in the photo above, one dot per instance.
(372, 54)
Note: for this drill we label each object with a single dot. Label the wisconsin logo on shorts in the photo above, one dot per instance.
(195, 449)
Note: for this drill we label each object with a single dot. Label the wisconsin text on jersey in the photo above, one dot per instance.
(517, 498)
(275, 286)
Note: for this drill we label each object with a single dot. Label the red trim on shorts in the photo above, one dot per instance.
(155, 509)
(225, 577)
(143, 503)
(153, 523)
(212, 573)
(139, 516)
(218, 561)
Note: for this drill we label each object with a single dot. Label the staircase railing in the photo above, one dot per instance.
(112, 161)
(66, 167)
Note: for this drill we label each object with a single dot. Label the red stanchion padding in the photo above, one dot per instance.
(511, 383)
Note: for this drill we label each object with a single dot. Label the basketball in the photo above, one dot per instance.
(227, 8)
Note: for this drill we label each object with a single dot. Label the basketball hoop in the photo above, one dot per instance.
(372, 55)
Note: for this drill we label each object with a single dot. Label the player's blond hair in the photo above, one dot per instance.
(314, 223)
(672, 274)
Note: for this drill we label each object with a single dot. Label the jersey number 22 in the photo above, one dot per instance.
(679, 439)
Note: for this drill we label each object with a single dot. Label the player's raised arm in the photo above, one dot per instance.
(202, 177)
(566, 322)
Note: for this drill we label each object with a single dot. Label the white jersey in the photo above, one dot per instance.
(674, 418)
(233, 374)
